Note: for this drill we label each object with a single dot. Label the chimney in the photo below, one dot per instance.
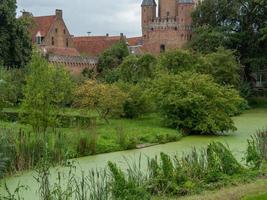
(59, 13)
(122, 36)
(26, 14)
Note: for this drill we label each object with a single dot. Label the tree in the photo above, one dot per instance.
(15, 41)
(179, 61)
(136, 69)
(241, 23)
(113, 57)
(106, 99)
(208, 39)
(195, 103)
(47, 89)
(138, 102)
(222, 65)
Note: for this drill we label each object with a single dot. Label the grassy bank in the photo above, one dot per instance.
(249, 191)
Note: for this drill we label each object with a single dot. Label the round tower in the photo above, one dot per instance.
(148, 13)
(167, 8)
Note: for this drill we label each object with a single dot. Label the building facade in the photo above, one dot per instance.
(51, 35)
(166, 26)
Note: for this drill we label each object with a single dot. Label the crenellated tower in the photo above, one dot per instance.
(149, 12)
(171, 28)
(167, 9)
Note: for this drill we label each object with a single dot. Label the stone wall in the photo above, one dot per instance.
(75, 64)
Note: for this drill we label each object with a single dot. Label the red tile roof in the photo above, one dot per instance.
(134, 41)
(61, 51)
(42, 24)
(94, 45)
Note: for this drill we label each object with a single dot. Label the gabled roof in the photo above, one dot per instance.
(42, 25)
(134, 41)
(149, 3)
(61, 51)
(94, 45)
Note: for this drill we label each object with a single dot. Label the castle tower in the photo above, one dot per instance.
(167, 8)
(184, 11)
(148, 13)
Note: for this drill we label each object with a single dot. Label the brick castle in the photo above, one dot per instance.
(166, 26)
(169, 29)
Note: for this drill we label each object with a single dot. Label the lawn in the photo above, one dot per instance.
(110, 136)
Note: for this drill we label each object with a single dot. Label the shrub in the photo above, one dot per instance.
(195, 103)
(138, 102)
(106, 99)
(180, 61)
(137, 69)
(47, 89)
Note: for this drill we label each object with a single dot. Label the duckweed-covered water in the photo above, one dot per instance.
(247, 124)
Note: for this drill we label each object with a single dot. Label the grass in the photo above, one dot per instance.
(146, 130)
(237, 192)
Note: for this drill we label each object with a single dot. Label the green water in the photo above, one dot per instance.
(247, 124)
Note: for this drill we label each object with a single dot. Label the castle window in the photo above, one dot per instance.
(67, 42)
(56, 30)
(38, 40)
(53, 42)
(182, 36)
(162, 48)
(176, 28)
(168, 14)
(64, 31)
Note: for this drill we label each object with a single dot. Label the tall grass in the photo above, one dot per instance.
(257, 149)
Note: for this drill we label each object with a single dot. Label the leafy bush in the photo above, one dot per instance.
(137, 69)
(47, 89)
(180, 61)
(195, 103)
(138, 101)
(106, 99)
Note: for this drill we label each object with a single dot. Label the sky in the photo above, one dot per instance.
(96, 16)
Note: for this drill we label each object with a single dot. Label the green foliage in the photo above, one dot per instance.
(207, 40)
(113, 57)
(15, 41)
(138, 102)
(123, 189)
(47, 89)
(180, 61)
(195, 103)
(11, 84)
(222, 65)
(257, 149)
(106, 99)
(237, 25)
(137, 69)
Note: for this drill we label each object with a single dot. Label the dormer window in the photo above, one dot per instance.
(38, 38)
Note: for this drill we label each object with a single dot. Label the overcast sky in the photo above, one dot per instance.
(98, 16)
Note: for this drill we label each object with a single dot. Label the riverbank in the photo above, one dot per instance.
(247, 124)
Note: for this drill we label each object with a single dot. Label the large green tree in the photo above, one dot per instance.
(136, 69)
(195, 103)
(242, 24)
(15, 42)
(48, 88)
